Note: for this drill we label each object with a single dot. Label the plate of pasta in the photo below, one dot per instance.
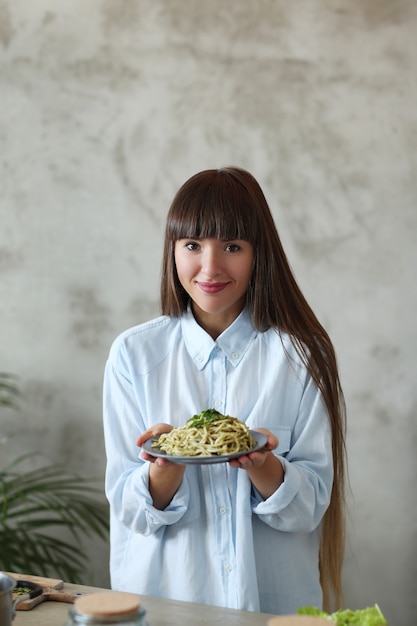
(209, 437)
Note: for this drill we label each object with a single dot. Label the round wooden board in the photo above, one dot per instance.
(107, 603)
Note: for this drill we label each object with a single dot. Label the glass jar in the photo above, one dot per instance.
(107, 607)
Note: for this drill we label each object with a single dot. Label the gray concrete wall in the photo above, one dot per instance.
(107, 106)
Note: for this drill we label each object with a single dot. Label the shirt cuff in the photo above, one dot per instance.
(283, 496)
(181, 508)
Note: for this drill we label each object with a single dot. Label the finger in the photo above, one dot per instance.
(143, 437)
(147, 457)
(242, 462)
(154, 431)
(272, 441)
(153, 459)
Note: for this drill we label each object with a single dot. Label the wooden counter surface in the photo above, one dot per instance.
(159, 612)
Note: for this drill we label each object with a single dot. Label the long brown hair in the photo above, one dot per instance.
(229, 204)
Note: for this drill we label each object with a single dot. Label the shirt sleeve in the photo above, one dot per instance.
(299, 504)
(126, 482)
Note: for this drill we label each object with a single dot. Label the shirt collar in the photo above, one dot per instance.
(234, 341)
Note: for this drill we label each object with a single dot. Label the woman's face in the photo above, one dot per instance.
(216, 275)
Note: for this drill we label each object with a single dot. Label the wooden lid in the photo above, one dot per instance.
(107, 604)
(298, 620)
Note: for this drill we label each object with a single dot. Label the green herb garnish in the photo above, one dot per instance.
(20, 591)
(204, 418)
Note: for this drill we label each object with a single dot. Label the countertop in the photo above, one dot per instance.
(159, 612)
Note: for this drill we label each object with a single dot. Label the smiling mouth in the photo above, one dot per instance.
(212, 287)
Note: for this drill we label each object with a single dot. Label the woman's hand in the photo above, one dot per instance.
(151, 433)
(264, 469)
(164, 477)
(256, 459)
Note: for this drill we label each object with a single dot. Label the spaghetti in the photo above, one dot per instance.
(207, 434)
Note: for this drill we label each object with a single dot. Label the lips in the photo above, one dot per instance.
(212, 287)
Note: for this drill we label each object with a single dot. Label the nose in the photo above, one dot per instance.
(211, 265)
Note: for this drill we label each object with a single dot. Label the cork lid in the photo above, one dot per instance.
(297, 620)
(107, 604)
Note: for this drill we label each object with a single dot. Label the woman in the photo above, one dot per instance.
(263, 532)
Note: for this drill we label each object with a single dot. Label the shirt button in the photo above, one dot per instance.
(200, 359)
(218, 403)
(222, 510)
(228, 567)
(235, 355)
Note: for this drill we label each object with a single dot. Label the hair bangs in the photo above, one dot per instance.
(218, 207)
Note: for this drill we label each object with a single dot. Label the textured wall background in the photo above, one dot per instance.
(107, 106)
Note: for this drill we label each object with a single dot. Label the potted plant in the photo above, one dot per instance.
(38, 506)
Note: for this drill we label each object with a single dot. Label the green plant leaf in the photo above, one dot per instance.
(9, 391)
(33, 504)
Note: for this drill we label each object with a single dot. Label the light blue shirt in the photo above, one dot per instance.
(218, 542)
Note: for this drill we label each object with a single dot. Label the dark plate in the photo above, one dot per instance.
(260, 438)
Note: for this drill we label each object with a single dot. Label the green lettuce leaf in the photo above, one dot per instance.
(312, 610)
(370, 616)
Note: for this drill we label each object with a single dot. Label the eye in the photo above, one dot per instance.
(192, 245)
(232, 247)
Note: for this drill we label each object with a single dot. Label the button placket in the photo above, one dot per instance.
(218, 391)
(218, 476)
